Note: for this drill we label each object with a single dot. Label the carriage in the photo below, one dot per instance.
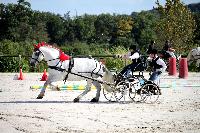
(136, 87)
(62, 67)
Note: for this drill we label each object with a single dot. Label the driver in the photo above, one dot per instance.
(134, 55)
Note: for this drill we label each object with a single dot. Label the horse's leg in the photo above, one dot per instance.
(54, 87)
(42, 92)
(87, 89)
(98, 87)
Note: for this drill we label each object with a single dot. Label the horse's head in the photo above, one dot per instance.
(37, 55)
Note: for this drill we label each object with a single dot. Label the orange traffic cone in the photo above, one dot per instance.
(44, 76)
(21, 77)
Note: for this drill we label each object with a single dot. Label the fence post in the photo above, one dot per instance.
(20, 63)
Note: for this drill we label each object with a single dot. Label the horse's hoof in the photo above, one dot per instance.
(94, 100)
(76, 100)
(39, 97)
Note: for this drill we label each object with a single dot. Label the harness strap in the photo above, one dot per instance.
(38, 56)
(71, 65)
(53, 59)
(57, 68)
(93, 73)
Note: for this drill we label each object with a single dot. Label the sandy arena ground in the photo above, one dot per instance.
(178, 109)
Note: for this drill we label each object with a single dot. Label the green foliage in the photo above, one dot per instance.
(124, 25)
(84, 28)
(144, 28)
(12, 64)
(105, 26)
(116, 64)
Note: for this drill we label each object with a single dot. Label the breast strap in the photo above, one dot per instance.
(71, 64)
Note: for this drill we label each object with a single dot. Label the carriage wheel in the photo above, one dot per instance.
(110, 96)
(121, 90)
(150, 93)
(134, 92)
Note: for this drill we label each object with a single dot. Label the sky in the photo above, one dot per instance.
(80, 7)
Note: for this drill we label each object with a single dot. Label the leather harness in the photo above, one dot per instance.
(71, 65)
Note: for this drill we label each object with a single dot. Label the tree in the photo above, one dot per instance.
(144, 29)
(84, 28)
(197, 31)
(55, 27)
(39, 31)
(104, 26)
(24, 3)
(121, 32)
(3, 23)
(124, 25)
(176, 24)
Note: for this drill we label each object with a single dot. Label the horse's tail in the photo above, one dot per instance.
(109, 78)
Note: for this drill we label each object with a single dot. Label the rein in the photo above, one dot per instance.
(102, 82)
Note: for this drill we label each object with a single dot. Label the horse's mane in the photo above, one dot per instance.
(37, 46)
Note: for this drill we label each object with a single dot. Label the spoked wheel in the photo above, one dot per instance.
(110, 96)
(121, 90)
(134, 92)
(150, 93)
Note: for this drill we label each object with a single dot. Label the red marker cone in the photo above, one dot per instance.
(183, 70)
(44, 76)
(172, 66)
(21, 77)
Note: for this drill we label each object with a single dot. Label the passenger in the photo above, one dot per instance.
(157, 64)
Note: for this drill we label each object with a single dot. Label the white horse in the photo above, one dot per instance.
(62, 66)
(194, 55)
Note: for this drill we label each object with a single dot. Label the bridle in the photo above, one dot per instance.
(37, 53)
